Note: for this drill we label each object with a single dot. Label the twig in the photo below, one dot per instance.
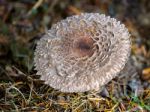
(36, 5)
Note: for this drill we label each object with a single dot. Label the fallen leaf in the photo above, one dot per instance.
(146, 74)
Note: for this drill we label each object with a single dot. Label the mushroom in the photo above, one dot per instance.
(83, 52)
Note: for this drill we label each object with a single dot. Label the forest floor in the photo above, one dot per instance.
(22, 22)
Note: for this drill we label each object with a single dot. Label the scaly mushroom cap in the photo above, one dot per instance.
(82, 52)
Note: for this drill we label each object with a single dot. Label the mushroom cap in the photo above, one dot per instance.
(83, 52)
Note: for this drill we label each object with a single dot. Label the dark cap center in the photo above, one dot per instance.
(83, 47)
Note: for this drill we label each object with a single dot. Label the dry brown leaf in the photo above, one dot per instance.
(3, 39)
(146, 74)
(74, 10)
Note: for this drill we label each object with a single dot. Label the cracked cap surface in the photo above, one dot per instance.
(82, 52)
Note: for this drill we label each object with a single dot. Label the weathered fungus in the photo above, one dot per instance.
(83, 52)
